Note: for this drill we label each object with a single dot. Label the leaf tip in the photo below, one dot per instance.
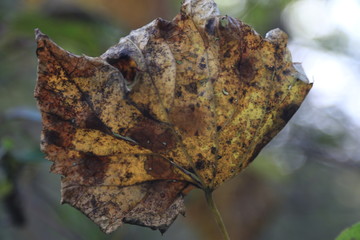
(300, 73)
(200, 10)
(39, 35)
(278, 37)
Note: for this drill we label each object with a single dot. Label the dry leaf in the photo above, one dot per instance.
(173, 105)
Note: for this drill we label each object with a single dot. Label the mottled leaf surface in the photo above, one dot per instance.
(175, 104)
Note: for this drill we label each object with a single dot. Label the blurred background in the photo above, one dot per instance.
(304, 184)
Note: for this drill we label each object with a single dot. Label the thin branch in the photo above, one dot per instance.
(216, 213)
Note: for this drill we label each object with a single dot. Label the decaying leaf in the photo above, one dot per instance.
(173, 105)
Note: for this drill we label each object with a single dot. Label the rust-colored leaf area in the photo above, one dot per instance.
(173, 105)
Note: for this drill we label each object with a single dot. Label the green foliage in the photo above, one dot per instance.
(90, 36)
(6, 144)
(264, 15)
(5, 187)
(351, 233)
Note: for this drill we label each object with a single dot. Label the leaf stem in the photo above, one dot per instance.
(216, 213)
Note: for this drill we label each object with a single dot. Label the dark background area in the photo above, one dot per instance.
(303, 185)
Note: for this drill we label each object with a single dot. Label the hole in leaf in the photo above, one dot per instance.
(127, 66)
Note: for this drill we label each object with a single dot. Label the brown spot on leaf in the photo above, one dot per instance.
(158, 167)
(39, 50)
(213, 150)
(210, 26)
(231, 100)
(166, 28)
(202, 65)
(93, 122)
(227, 54)
(286, 72)
(279, 94)
(153, 135)
(92, 168)
(93, 202)
(85, 97)
(190, 120)
(289, 111)
(53, 137)
(200, 164)
(178, 93)
(192, 107)
(129, 175)
(191, 88)
(245, 69)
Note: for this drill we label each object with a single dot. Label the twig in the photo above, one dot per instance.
(216, 213)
